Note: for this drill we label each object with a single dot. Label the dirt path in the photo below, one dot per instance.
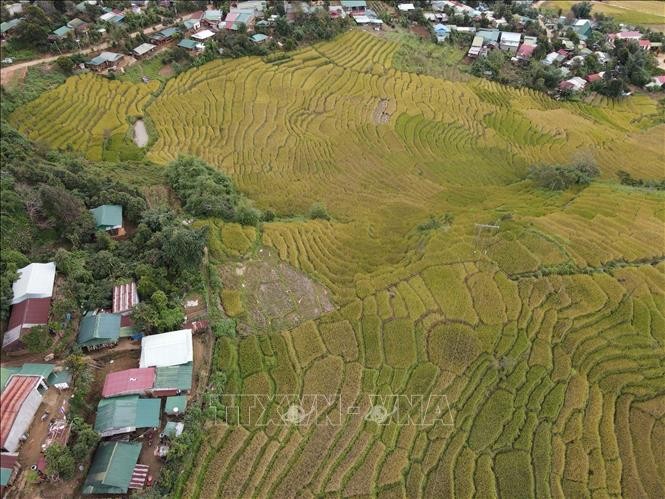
(6, 72)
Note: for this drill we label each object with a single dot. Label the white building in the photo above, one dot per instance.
(20, 401)
(167, 349)
(35, 281)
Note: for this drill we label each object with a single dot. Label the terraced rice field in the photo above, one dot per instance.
(650, 13)
(555, 381)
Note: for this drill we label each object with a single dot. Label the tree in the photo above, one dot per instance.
(158, 314)
(582, 10)
(37, 340)
(85, 439)
(59, 461)
(35, 28)
(66, 64)
(318, 211)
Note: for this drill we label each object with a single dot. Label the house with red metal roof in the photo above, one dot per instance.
(25, 315)
(129, 382)
(125, 297)
(20, 401)
(525, 51)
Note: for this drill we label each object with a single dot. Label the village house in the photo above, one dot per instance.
(574, 84)
(104, 61)
(191, 25)
(24, 316)
(406, 7)
(583, 28)
(78, 25)
(119, 415)
(20, 401)
(8, 27)
(442, 32)
(31, 304)
(108, 217)
(113, 17)
(114, 470)
(354, 7)
(595, 77)
(510, 41)
(490, 36)
(259, 38)
(143, 50)
(476, 47)
(61, 32)
(35, 281)
(175, 406)
(125, 298)
(173, 380)
(188, 44)
(99, 330)
(211, 18)
(167, 349)
(525, 52)
(129, 382)
(237, 17)
(203, 35)
(163, 36)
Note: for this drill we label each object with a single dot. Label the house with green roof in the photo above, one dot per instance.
(126, 414)
(5, 374)
(8, 26)
(176, 405)
(112, 468)
(172, 380)
(99, 330)
(27, 369)
(108, 216)
(62, 32)
(189, 44)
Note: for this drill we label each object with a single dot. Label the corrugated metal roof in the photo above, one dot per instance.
(126, 412)
(11, 400)
(35, 281)
(173, 429)
(125, 297)
(36, 369)
(186, 43)
(33, 311)
(99, 329)
(178, 402)
(139, 476)
(174, 377)
(144, 48)
(112, 468)
(5, 374)
(167, 349)
(107, 215)
(128, 382)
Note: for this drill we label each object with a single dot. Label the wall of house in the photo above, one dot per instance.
(23, 420)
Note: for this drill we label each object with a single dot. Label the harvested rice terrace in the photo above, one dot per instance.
(556, 383)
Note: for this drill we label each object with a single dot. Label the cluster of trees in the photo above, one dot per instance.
(207, 192)
(627, 179)
(580, 172)
(46, 197)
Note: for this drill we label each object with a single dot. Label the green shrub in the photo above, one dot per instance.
(318, 211)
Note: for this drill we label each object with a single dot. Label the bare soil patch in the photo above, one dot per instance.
(275, 296)
(380, 114)
(166, 71)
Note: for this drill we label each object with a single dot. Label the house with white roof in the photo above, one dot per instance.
(167, 349)
(35, 281)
